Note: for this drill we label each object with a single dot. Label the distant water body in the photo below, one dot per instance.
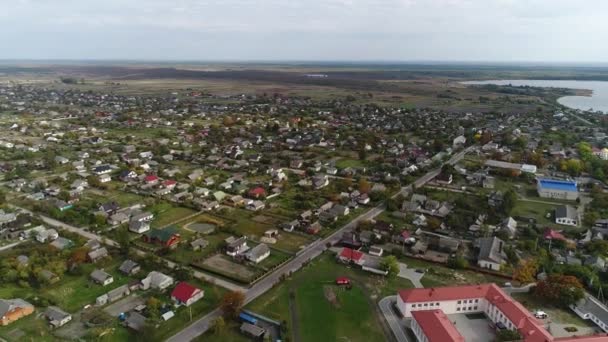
(598, 101)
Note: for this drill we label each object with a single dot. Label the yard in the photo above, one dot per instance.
(438, 275)
(351, 316)
(534, 210)
(555, 314)
(166, 214)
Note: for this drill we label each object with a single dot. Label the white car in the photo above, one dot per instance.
(540, 314)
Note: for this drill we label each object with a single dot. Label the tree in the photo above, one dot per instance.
(154, 309)
(598, 247)
(458, 262)
(506, 335)
(364, 186)
(560, 289)
(509, 201)
(219, 325)
(124, 240)
(390, 264)
(231, 303)
(526, 272)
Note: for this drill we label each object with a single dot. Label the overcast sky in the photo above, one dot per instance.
(358, 30)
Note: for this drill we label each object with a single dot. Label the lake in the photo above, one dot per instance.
(598, 100)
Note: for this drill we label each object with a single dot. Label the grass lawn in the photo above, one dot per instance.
(72, 293)
(556, 314)
(535, 210)
(438, 275)
(185, 255)
(30, 328)
(319, 320)
(166, 214)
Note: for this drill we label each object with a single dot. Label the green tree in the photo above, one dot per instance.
(219, 325)
(560, 289)
(391, 265)
(506, 335)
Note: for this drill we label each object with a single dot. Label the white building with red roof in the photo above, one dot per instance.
(428, 309)
(186, 294)
(434, 325)
(348, 255)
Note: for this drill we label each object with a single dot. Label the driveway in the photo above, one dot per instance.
(395, 322)
(411, 275)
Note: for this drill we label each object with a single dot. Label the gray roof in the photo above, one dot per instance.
(566, 211)
(98, 253)
(590, 305)
(135, 321)
(127, 266)
(100, 275)
(54, 313)
(491, 249)
(8, 305)
(258, 251)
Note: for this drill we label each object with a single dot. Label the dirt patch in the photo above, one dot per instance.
(223, 265)
(264, 219)
(330, 296)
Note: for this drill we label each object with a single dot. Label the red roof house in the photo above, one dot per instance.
(169, 183)
(151, 179)
(348, 255)
(186, 294)
(551, 234)
(257, 192)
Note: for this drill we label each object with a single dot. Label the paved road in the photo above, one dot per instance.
(392, 319)
(411, 275)
(80, 231)
(313, 250)
(9, 246)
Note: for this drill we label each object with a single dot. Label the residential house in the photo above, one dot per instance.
(236, 246)
(351, 256)
(156, 280)
(101, 277)
(258, 253)
(57, 317)
(566, 215)
(167, 237)
(97, 254)
(255, 205)
(139, 227)
(129, 267)
(186, 294)
(12, 310)
(491, 253)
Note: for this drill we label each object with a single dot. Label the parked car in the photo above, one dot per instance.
(540, 314)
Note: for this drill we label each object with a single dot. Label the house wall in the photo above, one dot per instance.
(448, 307)
(566, 221)
(489, 265)
(195, 298)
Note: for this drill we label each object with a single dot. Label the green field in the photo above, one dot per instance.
(166, 214)
(535, 210)
(353, 319)
(556, 314)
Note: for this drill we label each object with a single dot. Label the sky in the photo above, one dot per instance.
(306, 30)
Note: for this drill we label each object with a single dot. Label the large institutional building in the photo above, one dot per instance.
(560, 189)
(428, 309)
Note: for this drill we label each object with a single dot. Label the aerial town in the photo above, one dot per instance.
(191, 215)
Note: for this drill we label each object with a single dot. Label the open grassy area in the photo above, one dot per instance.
(30, 328)
(166, 214)
(438, 275)
(534, 210)
(556, 314)
(352, 319)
